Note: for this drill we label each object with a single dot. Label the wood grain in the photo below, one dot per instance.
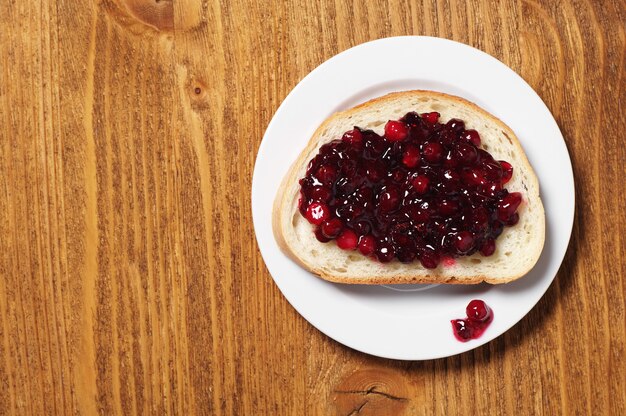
(130, 280)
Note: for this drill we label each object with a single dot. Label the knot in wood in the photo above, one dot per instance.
(155, 14)
(372, 391)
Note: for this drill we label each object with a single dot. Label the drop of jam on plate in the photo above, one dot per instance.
(423, 191)
(479, 316)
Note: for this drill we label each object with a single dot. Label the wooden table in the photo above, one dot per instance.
(130, 279)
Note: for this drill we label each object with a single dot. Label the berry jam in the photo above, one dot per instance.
(424, 191)
(479, 316)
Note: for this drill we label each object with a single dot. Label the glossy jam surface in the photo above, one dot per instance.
(424, 191)
(479, 316)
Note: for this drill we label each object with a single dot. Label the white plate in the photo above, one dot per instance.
(412, 322)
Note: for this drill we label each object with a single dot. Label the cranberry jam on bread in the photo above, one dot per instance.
(412, 187)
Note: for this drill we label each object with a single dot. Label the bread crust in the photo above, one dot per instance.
(286, 197)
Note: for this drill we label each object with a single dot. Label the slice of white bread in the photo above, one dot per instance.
(517, 249)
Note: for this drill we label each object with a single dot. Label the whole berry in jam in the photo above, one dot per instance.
(423, 192)
(321, 237)
(488, 247)
(353, 137)
(385, 251)
(396, 131)
(326, 174)
(471, 136)
(431, 118)
(317, 213)
(389, 199)
(478, 311)
(433, 152)
(508, 205)
(320, 193)
(331, 228)
(347, 240)
(420, 184)
(429, 259)
(464, 242)
(367, 245)
(507, 171)
(462, 330)
(411, 156)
